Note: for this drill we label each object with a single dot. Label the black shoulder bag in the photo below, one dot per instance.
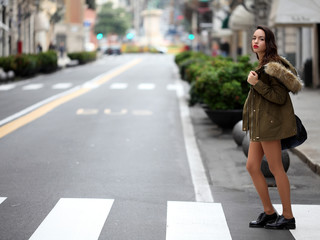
(296, 140)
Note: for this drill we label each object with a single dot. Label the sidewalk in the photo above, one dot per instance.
(307, 106)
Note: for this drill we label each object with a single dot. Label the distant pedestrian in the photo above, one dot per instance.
(52, 46)
(61, 49)
(39, 48)
(269, 116)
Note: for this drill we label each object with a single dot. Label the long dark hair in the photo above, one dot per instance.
(271, 54)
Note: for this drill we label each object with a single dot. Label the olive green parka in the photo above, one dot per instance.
(268, 112)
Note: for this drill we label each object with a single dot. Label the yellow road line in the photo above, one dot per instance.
(39, 112)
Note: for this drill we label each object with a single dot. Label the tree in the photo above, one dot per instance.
(112, 21)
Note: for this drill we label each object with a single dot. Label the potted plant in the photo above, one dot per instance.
(222, 89)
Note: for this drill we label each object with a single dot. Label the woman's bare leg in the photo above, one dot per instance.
(255, 156)
(272, 150)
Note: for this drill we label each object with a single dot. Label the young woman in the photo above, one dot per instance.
(269, 117)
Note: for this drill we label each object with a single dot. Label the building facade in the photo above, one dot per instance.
(27, 24)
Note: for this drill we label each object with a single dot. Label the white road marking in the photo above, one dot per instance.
(90, 85)
(7, 87)
(307, 221)
(80, 219)
(33, 86)
(2, 199)
(198, 173)
(146, 86)
(82, 111)
(35, 106)
(118, 86)
(109, 112)
(62, 85)
(195, 220)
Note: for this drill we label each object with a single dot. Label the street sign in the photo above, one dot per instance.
(206, 25)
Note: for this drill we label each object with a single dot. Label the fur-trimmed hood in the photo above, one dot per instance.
(288, 76)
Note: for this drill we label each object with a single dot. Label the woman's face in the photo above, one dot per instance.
(258, 43)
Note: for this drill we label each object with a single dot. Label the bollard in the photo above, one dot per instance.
(237, 133)
(11, 74)
(285, 161)
(245, 144)
(264, 164)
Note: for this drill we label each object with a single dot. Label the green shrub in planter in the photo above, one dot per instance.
(26, 65)
(182, 56)
(197, 57)
(7, 63)
(48, 61)
(222, 86)
(83, 57)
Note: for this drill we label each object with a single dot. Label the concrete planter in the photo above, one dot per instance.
(224, 118)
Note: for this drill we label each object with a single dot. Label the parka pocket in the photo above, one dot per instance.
(271, 125)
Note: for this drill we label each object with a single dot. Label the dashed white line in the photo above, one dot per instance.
(118, 86)
(62, 86)
(146, 86)
(33, 86)
(7, 87)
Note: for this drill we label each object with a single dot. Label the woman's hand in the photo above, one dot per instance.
(252, 78)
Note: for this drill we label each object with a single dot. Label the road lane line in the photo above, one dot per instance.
(2, 199)
(197, 170)
(83, 111)
(7, 87)
(146, 86)
(118, 86)
(33, 86)
(307, 221)
(195, 220)
(62, 85)
(80, 219)
(14, 125)
(30, 114)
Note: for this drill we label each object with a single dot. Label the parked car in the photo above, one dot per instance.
(113, 50)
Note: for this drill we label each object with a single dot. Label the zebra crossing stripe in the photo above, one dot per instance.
(196, 220)
(34, 86)
(307, 221)
(73, 218)
(2, 199)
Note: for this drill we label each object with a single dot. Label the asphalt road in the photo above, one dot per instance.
(106, 151)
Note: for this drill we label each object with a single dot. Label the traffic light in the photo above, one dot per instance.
(191, 36)
(99, 36)
(130, 36)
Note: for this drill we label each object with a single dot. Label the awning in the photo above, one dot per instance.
(240, 19)
(294, 12)
(222, 33)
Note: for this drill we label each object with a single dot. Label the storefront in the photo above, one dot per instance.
(304, 17)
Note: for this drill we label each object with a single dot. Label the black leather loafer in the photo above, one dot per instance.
(282, 223)
(263, 219)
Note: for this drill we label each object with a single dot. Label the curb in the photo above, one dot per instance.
(312, 165)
